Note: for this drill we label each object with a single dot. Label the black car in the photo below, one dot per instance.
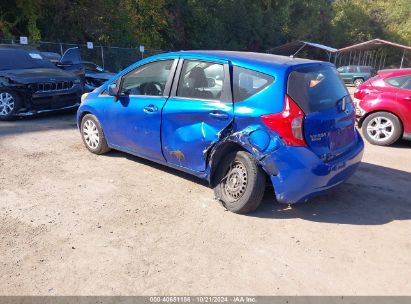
(31, 84)
(95, 75)
(92, 74)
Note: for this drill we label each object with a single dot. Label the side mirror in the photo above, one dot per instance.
(113, 89)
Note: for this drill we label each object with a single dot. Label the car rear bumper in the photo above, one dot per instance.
(302, 175)
(359, 112)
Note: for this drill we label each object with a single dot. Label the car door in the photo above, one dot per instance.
(343, 71)
(404, 102)
(199, 108)
(351, 73)
(133, 121)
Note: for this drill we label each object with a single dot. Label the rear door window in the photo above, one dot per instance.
(407, 84)
(201, 80)
(365, 69)
(247, 83)
(316, 88)
(352, 69)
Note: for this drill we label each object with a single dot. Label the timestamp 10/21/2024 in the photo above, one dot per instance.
(202, 299)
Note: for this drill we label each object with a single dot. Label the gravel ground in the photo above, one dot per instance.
(73, 223)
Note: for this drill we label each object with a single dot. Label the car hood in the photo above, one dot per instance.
(26, 76)
(103, 75)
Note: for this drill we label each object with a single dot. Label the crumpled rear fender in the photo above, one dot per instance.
(255, 139)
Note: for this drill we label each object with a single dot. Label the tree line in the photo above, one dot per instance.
(254, 25)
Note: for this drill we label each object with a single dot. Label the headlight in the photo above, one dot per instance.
(83, 97)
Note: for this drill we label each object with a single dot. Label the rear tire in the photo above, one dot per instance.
(10, 103)
(358, 82)
(93, 135)
(381, 128)
(240, 182)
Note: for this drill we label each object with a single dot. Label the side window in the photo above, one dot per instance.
(149, 79)
(201, 80)
(247, 83)
(397, 81)
(407, 84)
(365, 69)
(352, 69)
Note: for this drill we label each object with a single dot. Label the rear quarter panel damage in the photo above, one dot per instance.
(255, 139)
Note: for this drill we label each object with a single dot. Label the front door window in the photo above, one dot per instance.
(147, 80)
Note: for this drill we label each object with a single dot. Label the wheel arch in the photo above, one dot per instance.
(218, 153)
(81, 115)
(221, 150)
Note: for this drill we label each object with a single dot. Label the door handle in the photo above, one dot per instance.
(407, 98)
(150, 109)
(217, 115)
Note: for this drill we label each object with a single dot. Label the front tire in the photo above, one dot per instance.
(240, 182)
(381, 128)
(93, 135)
(9, 104)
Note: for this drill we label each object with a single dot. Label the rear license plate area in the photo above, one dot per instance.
(342, 137)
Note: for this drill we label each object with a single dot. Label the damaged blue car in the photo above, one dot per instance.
(237, 119)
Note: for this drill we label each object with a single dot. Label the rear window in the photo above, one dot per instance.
(248, 83)
(316, 88)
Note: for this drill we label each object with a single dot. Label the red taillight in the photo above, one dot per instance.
(364, 89)
(359, 94)
(288, 124)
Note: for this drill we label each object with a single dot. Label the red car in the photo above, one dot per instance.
(383, 107)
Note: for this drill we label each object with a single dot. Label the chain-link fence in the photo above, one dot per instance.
(113, 59)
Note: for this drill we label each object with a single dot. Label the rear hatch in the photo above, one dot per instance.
(329, 123)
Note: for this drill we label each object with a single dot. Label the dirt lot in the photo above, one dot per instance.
(76, 223)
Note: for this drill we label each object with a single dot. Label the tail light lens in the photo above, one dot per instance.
(288, 124)
(359, 94)
(364, 89)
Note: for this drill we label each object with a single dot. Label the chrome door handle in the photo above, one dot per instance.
(150, 109)
(218, 115)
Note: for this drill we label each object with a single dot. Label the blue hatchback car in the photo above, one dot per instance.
(237, 119)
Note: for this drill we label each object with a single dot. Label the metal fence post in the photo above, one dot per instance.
(102, 56)
(402, 59)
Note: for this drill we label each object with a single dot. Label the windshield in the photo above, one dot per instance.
(11, 59)
(316, 88)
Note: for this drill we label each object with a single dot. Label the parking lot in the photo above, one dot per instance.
(76, 223)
